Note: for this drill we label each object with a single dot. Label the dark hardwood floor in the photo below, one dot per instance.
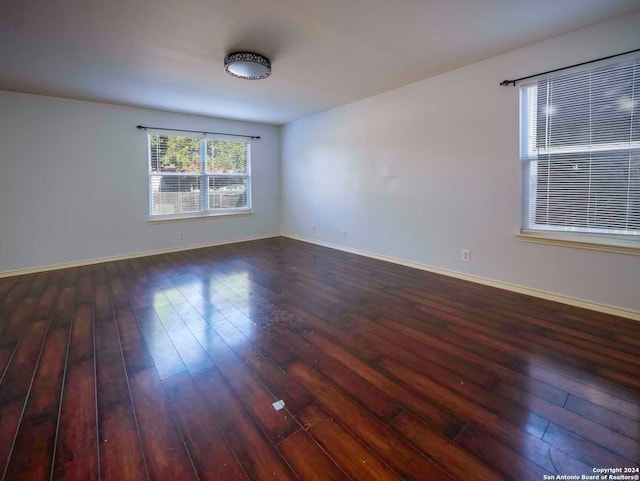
(166, 368)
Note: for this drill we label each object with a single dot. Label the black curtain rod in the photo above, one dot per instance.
(513, 82)
(142, 127)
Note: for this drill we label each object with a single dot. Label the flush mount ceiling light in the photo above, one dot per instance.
(247, 65)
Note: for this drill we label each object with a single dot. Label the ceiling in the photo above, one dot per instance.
(168, 54)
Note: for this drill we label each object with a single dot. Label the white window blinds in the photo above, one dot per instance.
(190, 176)
(581, 151)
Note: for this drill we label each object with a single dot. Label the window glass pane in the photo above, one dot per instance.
(174, 153)
(562, 193)
(227, 156)
(612, 105)
(174, 194)
(563, 111)
(609, 190)
(228, 192)
(588, 108)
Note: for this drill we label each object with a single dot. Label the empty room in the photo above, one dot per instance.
(341, 240)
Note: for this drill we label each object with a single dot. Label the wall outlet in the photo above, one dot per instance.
(465, 255)
(344, 233)
(180, 235)
(313, 228)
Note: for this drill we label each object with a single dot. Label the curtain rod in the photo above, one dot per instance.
(513, 82)
(143, 127)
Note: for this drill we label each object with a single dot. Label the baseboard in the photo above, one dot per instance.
(572, 301)
(551, 296)
(87, 262)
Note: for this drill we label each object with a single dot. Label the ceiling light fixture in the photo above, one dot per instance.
(247, 65)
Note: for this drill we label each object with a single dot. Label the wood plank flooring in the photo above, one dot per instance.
(166, 368)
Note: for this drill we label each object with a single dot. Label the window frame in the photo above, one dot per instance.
(586, 238)
(204, 177)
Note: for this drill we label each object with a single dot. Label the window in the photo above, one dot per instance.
(580, 150)
(198, 176)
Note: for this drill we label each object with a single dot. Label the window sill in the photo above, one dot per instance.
(199, 215)
(625, 245)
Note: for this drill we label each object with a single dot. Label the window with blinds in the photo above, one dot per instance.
(194, 176)
(581, 151)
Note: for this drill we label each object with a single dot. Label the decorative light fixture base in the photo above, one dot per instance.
(247, 65)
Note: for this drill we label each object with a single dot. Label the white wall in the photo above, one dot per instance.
(420, 172)
(73, 182)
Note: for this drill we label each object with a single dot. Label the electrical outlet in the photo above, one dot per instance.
(180, 235)
(344, 233)
(313, 228)
(465, 255)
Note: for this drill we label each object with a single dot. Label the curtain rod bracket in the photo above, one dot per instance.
(506, 83)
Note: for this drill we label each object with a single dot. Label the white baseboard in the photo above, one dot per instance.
(572, 301)
(87, 262)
